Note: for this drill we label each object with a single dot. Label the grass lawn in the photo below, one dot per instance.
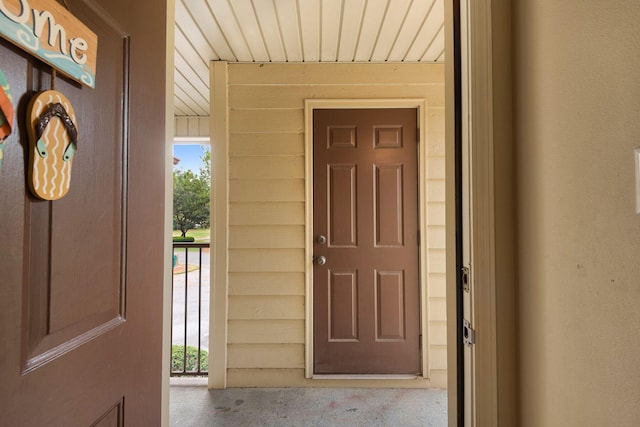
(202, 235)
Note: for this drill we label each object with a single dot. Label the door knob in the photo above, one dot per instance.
(321, 260)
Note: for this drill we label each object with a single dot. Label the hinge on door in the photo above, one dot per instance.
(468, 333)
(420, 341)
(465, 277)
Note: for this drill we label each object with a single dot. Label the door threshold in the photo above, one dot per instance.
(366, 377)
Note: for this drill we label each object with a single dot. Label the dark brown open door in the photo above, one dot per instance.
(366, 294)
(81, 277)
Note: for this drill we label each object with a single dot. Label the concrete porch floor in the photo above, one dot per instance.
(192, 404)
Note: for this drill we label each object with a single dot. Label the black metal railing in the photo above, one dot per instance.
(190, 290)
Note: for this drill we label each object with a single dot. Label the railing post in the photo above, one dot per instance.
(198, 370)
(186, 307)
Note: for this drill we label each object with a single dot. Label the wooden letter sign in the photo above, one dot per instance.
(49, 31)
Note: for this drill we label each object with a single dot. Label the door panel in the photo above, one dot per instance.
(390, 306)
(343, 221)
(366, 296)
(388, 190)
(67, 304)
(113, 417)
(343, 306)
(80, 296)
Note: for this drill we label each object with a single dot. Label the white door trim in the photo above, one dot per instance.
(219, 131)
(313, 104)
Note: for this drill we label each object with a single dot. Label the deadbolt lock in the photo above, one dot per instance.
(322, 240)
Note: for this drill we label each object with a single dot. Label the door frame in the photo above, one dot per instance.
(487, 123)
(420, 105)
(167, 271)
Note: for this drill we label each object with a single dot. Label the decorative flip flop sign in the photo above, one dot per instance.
(50, 32)
(53, 141)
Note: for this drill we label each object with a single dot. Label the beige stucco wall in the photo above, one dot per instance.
(577, 103)
(266, 264)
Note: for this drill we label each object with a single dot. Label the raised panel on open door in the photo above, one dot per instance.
(114, 417)
(75, 247)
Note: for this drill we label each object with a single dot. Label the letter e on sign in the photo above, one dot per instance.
(51, 33)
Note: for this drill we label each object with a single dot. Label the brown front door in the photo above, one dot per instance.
(81, 277)
(366, 290)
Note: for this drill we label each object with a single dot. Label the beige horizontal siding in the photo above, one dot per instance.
(259, 307)
(436, 244)
(435, 132)
(285, 167)
(258, 190)
(437, 285)
(438, 359)
(266, 120)
(436, 237)
(435, 190)
(436, 213)
(267, 144)
(437, 309)
(267, 207)
(271, 356)
(266, 236)
(435, 168)
(267, 213)
(438, 333)
(257, 260)
(436, 259)
(261, 283)
(334, 74)
(266, 377)
(267, 331)
(438, 378)
(260, 96)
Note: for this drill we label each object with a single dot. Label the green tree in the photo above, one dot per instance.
(205, 169)
(190, 201)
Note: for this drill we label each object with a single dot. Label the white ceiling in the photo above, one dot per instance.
(298, 31)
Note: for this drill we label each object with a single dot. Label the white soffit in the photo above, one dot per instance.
(298, 31)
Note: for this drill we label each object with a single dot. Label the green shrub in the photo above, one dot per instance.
(177, 354)
(184, 239)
